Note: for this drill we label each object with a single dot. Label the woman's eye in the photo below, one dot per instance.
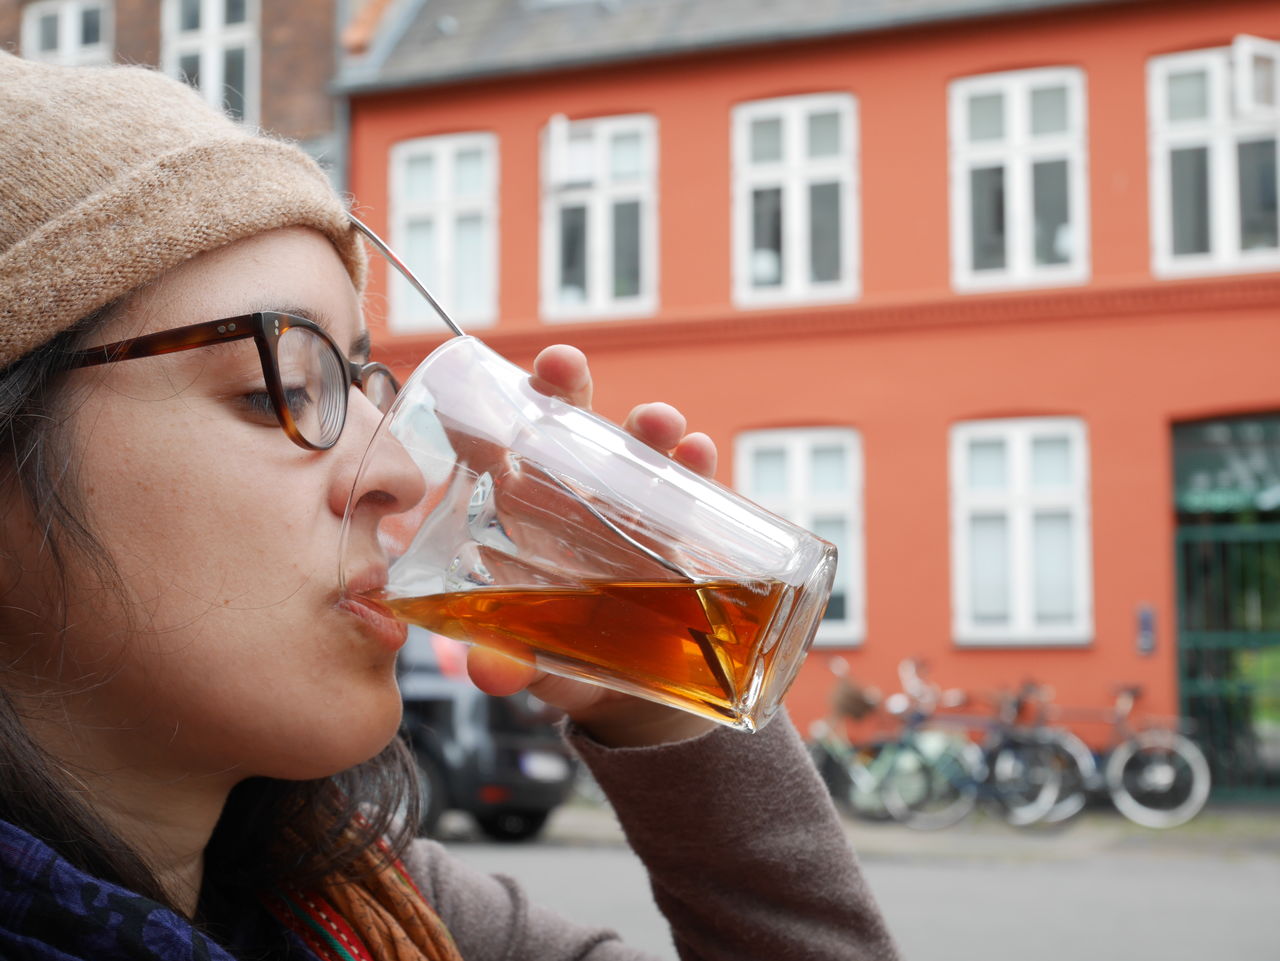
(258, 404)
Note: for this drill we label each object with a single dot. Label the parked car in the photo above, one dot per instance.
(499, 759)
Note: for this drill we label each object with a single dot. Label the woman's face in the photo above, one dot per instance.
(233, 655)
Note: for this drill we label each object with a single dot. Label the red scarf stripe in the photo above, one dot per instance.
(321, 927)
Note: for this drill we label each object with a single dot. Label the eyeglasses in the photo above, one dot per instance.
(307, 376)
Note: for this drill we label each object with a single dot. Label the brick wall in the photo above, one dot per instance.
(297, 64)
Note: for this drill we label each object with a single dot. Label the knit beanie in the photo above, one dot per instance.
(109, 176)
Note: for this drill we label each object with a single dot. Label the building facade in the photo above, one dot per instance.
(991, 301)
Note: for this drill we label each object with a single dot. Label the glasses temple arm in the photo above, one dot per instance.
(405, 272)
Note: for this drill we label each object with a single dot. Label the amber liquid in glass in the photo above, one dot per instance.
(686, 641)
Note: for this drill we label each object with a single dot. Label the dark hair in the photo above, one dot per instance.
(272, 832)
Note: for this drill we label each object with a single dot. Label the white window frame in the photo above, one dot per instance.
(794, 174)
(410, 313)
(210, 43)
(70, 51)
(1018, 503)
(1233, 119)
(1017, 152)
(598, 195)
(802, 506)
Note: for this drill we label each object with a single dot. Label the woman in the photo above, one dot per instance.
(197, 730)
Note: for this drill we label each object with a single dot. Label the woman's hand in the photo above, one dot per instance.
(615, 719)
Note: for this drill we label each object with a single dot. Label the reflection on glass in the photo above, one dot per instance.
(766, 237)
(989, 569)
(824, 232)
(573, 255)
(828, 473)
(470, 265)
(986, 117)
(1259, 227)
(824, 134)
(1189, 199)
(1049, 110)
(1188, 95)
(768, 471)
(987, 465)
(1051, 462)
(1054, 560)
(766, 140)
(1052, 220)
(233, 81)
(626, 249)
(986, 202)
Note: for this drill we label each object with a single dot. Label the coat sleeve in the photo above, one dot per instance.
(745, 854)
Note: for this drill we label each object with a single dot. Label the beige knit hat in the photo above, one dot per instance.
(109, 176)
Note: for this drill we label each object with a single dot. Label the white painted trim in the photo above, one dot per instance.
(598, 197)
(1018, 502)
(802, 506)
(409, 312)
(793, 176)
(70, 51)
(210, 43)
(1017, 152)
(1245, 51)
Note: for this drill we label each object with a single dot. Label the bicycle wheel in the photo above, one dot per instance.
(1079, 771)
(1158, 779)
(930, 792)
(1024, 778)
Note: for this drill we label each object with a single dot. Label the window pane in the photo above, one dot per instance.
(420, 251)
(1189, 199)
(189, 68)
(986, 197)
(1054, 560)
(989, 569)
(1259, 227)
(766, 140)
(626, 249)
(189, 15)
(470, 265)
(1053, 227)
(573, 255)
(236, 11)
(626, 156)
(987, 465)
(824, 232)
(1188, 95)
(824, 134)
(1263, 72)
(834, 529)
(986, 117)
(91, 26)
(828, 470)
(48, 33)
(769, 471)
(766, 237)
(1051, 462)
(233, 81)
(420, 178)
(469, 172)
(582, 157)
(1049, 110)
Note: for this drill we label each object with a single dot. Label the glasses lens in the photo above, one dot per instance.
(379, 387)
(315, 385)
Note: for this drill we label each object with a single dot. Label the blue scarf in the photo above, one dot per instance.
(50, 910)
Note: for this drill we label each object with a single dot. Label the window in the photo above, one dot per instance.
(599, 234)
(1020, 542)
(1019, 205)
(213, 45)
(795, 232)
(70, 32)
(813, 477)
(445, 224)
(1215, 123)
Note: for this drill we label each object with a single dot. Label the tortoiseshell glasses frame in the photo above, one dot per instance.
(337, 374)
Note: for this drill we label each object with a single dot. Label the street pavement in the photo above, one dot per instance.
(1099, 889)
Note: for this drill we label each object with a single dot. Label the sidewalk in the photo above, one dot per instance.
(1219, 832)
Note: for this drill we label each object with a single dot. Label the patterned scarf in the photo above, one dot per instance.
(50, 910)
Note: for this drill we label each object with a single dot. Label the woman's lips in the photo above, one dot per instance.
(388, 632)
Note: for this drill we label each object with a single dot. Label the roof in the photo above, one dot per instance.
(426, 42)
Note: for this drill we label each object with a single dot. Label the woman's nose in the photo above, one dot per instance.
(390, 481)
